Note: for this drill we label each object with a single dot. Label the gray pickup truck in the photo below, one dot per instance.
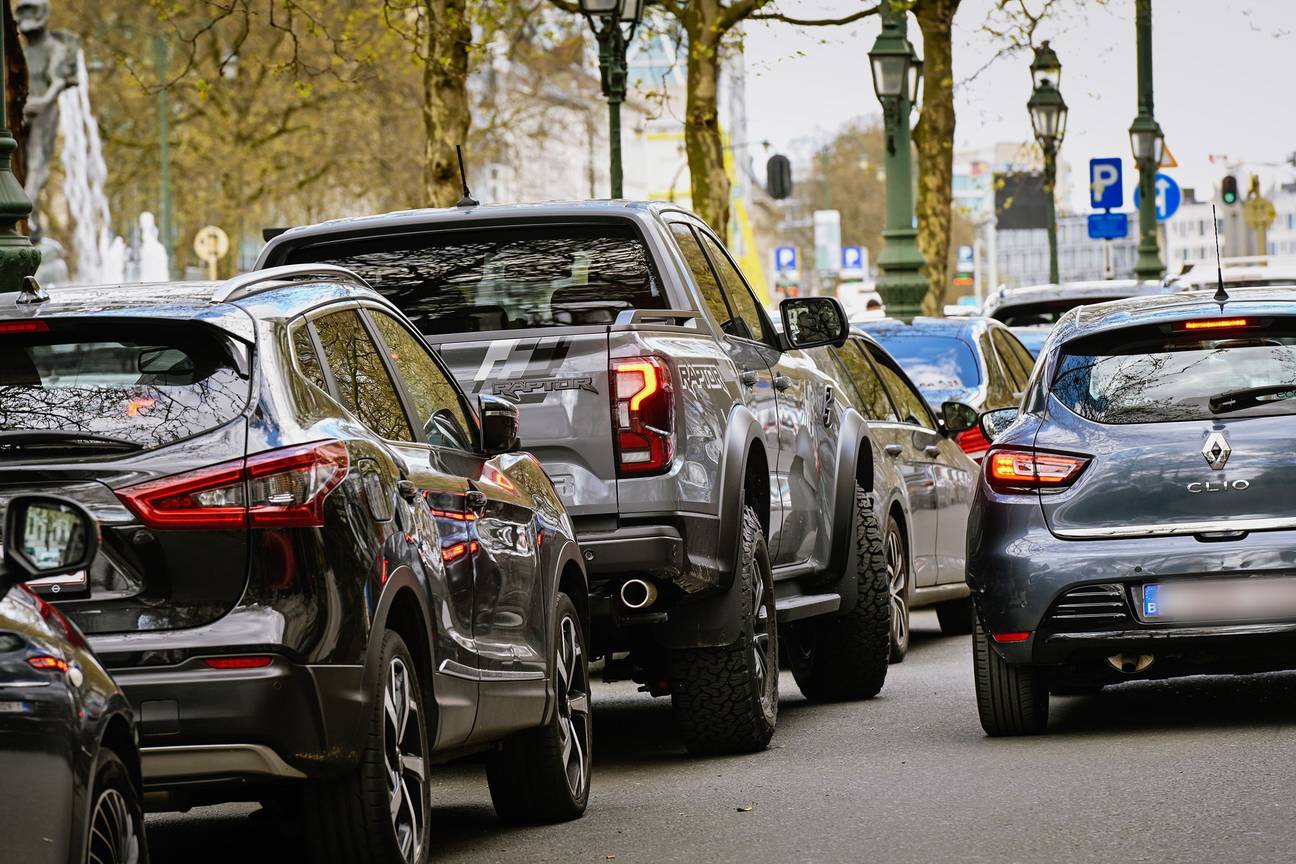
(727, 495)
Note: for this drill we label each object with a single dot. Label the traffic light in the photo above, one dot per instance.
(1229, 189)
(778, 177)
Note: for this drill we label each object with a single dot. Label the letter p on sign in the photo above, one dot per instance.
(1105, 187)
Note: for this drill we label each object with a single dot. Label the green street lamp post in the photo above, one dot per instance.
(18, 258)
(1048, 113)
(1148, 145)
(609, 19)
(897, 74)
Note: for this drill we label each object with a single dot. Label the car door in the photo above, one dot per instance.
(510, 597)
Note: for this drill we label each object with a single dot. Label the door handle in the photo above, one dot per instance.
(894, 449)
(406, 489)
(782, 382)
(932, 450)
(475, 501)
(749, 378)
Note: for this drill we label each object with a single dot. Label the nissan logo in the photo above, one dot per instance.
(1219, 486)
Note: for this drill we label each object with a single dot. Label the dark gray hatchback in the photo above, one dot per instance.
(1137, 518)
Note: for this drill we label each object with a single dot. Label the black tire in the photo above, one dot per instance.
(543, 774)
(115, 833)
(955, 617)
(1011, 699)
(725, 699)
(846, 656)
(350, 820)
(900, 586)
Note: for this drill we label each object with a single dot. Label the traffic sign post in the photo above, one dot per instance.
(854, 260)
(1108, 226)
(1168, 197)
(210, 245)
(785, 259)
(1106, 185)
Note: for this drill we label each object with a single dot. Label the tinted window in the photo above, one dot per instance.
(1011, 362)
(1024, 357)
(364, 386)
(739, 295)
(307, 362)
(910, 404)
(1046, 312)
(504, 278)
(1148, 375)
(147, 382)
(934, 362)
(872, 401)
(698, 265)
(436, 400)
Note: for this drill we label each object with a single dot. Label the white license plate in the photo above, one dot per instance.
(1217, 600)
(71, 583)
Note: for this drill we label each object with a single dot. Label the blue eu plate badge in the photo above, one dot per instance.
(1151, 605)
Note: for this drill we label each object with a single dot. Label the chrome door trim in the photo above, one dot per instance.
(459, 670)
(1219, 526)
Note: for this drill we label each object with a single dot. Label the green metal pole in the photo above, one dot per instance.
(166, 218)
(18, 258)
(1149, 264)
(1050, 208)
(613, 72)
(901, 282)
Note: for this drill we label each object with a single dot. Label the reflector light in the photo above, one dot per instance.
(642, 414)
(23, 327)
(48, 664)
(259, 662)
(1021, 470)
(458, 550)
(1215, 324)
(973, 442)
(1011, 637)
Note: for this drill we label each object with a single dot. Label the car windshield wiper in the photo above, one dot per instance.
(67, 438)
(1249, 397)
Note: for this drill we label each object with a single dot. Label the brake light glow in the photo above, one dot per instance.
(23, 327)
(1003, 638)
(48, 664)
(277, 489)
(258, 662)
(1025, 470)
(973, 442)
(458, 550)
(1215, 324)
(642, 414)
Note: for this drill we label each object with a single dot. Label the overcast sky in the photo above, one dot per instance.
(1225, 74)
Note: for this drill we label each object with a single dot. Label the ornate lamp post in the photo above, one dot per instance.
(1148, 145)
(18, 258)
(1048, 113)
(609, 19)
(897, 74)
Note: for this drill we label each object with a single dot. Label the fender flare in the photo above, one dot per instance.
(853, 432)
(402, 576)
(743, 431)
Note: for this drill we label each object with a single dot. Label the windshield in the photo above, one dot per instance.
(504, 278)
(146, 383)
(934, 362)
(1162, 374)
(1045, 312)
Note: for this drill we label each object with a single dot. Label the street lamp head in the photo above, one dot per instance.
(624, 11)
(1046, 66)
(1146, 140)
(889, 60)
(1048, 112)
(915, 78)
(601, 7)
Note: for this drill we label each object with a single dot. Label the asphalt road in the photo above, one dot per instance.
(1195, 770)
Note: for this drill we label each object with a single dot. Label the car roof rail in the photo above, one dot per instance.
(247, 284)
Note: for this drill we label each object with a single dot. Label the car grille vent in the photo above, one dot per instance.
(1091, 603)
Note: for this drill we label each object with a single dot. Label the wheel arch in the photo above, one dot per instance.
(403, 609)
(119, 737)
(744, 473)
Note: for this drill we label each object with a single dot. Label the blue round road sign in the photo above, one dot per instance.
(1168, 197)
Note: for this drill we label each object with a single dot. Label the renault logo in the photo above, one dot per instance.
(1216, 450)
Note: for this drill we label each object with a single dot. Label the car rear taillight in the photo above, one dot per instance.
(244, 662)
(276, 489)
(973, 441)
(48, 664)
(1029, 470)
(641, 414)
(23, 327)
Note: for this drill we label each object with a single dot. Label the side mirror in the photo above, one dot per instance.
(809, 322)
(958, 417)
(46, 536)
(499, 425)
(993, 423)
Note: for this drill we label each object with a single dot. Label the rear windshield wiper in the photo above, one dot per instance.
(1249, 397)
(64, 438)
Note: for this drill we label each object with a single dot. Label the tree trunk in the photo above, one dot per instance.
(702, 141)
(934, 139)
(15, 87)
(446, 111)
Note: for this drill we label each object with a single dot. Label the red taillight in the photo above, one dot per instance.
(277, 489)
(23, 327)
(1023, 470)
(973, 441)
(259, 662)
(641, 414)
(48, 664)
(1002, 638)
(1215, 324)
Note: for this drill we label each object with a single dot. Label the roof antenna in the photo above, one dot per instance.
(467, 200)
(1221, 296)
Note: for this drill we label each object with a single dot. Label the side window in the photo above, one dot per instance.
(1023, 356)
(865, 383)
(913, 409)
(696, 259)
(304, 352)
(740, 296)
(1010, 360)
(364, 386)
(436, 399)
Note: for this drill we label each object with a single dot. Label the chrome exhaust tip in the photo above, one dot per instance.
(1130, 664)
(638, 594)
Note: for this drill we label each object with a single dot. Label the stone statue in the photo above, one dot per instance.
(51, 69)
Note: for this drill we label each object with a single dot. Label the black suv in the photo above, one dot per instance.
(321, 568)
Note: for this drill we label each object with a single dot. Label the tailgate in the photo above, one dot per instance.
(560, 384)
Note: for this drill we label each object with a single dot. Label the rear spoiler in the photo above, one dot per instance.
(678, 317)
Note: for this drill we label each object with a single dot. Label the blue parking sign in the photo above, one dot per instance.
(785, 259)
(1106, 187)
(852, 258)
(1108, 226)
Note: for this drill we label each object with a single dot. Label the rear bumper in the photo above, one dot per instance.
(631, 548)
(285, 720)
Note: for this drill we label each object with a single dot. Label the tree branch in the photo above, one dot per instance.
(815, 22)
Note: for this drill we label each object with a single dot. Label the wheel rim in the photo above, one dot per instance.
(897, 582)
(573, 708)
(405, 760)
(113, 839)
(765, 665)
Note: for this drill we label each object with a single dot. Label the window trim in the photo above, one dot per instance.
(688, 225)
(895, 367)
(766, 328)
(865, 348)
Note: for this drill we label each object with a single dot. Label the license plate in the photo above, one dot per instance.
(60, 586)
(1211, 600)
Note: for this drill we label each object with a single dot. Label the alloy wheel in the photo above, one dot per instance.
(574, 730)
(404, 759)
(765, 667)
(897, 584)
(113, 839)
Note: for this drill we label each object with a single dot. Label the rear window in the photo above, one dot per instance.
(1046, 312)
(1167, 373)
(504, 278)
(934, 362)
(122, 384)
